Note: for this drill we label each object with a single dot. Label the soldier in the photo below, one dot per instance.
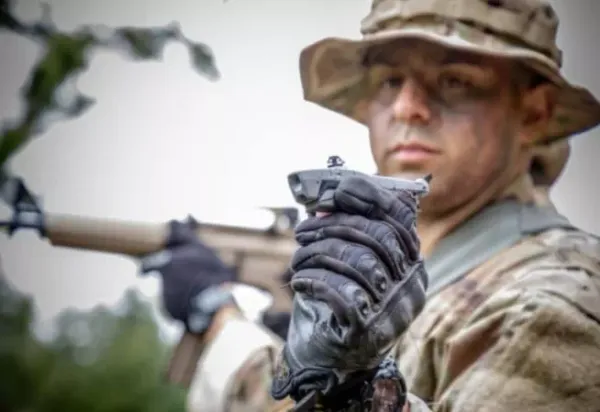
(467, 90)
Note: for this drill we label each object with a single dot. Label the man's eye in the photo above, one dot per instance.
(393, 82)
(452, 82)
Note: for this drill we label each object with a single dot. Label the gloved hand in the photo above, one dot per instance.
(192, 274)
(277, 322)
(359, 282)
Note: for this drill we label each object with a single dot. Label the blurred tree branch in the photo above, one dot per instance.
(50, 92)
(100, 361)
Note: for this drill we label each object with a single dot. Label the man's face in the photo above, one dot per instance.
(452, 114)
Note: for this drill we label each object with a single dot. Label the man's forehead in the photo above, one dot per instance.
(418, 52)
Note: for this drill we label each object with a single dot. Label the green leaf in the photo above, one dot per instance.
(66, 56)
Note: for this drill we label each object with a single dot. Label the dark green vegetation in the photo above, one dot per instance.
(100, 360)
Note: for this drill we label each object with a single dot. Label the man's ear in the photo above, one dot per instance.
(537, 108)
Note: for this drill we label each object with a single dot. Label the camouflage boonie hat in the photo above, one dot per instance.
(332, 72)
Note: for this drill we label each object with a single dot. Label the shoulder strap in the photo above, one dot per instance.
(492, 230)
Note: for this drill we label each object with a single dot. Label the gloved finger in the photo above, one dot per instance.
(376, 235)
(358, 195)
(404, 220)
(155, 261)
(333, 289)
(355, 297)
(314, 224)
(404, 302)
(312, 229)
(181, 232)
(355, 262)
(380, 231)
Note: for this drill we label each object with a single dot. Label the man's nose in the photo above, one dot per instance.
(411, 104)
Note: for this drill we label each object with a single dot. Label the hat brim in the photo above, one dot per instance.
(332, 75)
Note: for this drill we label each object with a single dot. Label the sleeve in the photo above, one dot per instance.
(234, 372)
(415, 404)
(532, 346)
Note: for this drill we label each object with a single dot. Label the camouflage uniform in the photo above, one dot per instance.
(512, 320)
(519, 331)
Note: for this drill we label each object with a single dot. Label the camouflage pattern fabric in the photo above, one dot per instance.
(520, 332)
(334, 77)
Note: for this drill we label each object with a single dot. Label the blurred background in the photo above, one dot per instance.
(162, 141)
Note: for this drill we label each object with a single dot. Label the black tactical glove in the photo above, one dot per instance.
(192, 274)
(277, 322)
(359, 283)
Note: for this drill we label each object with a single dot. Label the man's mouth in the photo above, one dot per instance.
(413, 152)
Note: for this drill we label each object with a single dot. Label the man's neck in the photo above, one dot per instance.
(432, 230)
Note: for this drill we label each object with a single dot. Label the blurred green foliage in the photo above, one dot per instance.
(47, 93)
(98, 361)
(101, 360)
